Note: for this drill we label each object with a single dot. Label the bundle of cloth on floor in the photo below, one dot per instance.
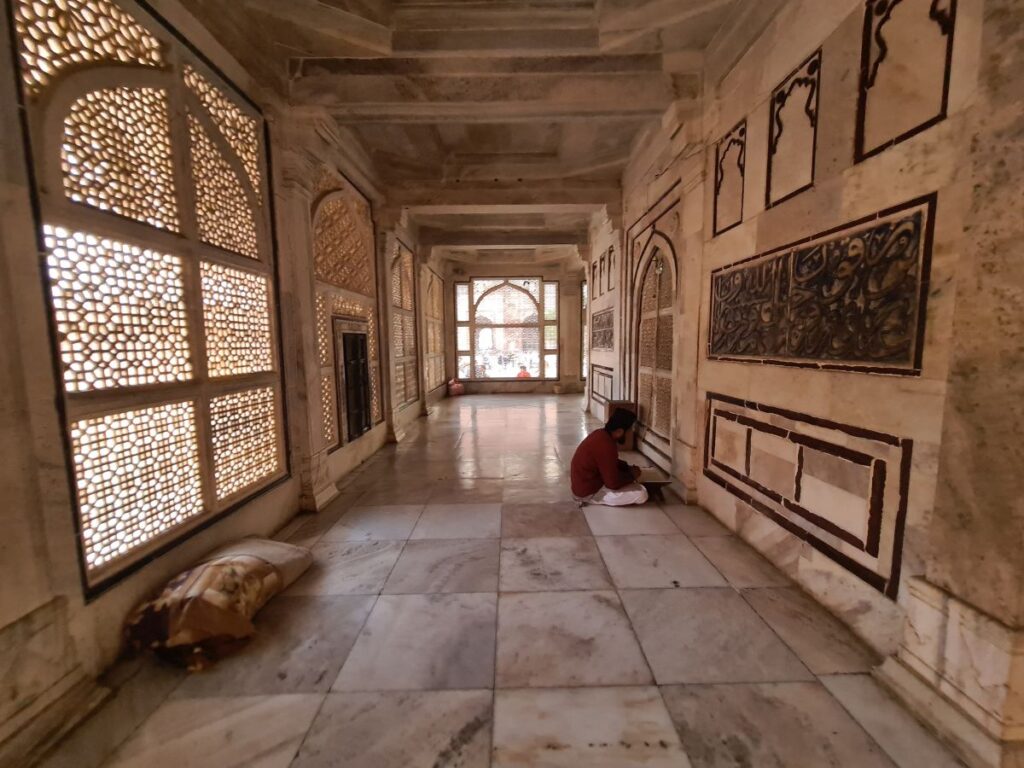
(207, 611)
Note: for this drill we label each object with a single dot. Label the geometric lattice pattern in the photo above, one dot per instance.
(120, 312)
(655, 347)
(327, 400)
(323, 336)
(243, 428)
(240, 130)
(236, 315)
(137, 476)
(433, 311)
(506, 322)
(403, 329)
(116, 154)
(343, 250)
(57, 34)
(225, 215)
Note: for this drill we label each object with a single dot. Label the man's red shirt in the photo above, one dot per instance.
(596, 464)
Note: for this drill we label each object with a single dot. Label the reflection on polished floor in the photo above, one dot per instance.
(463, 612)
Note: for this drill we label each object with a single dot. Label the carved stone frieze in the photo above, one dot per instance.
(603, 330)
(850, 298)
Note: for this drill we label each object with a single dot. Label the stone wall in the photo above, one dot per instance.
(829, 204)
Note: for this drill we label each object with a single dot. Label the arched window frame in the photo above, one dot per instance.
(215, 425)
(547, 325)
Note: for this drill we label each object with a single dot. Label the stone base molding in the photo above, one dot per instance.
(962, 672)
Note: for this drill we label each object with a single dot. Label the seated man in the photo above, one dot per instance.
(598, 476)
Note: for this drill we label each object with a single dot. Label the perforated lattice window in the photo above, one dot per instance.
(655, 352)
(137, 475)
(236, 314)
(509, 330)
(328, 406)
(405, 380)
(243, 428)
(116, 154)
(58, 34)
(119, 310)
(155, 333)
(434, 318)
(224, 213)
(239, 129)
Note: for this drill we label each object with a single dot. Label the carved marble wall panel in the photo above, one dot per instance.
(841, 488)
(906, 58)
(343, 249)
(853, 298)
(793, 132)
(603, 330)
(730, 172)
(603, 383)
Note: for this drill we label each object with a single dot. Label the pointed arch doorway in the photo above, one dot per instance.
(654, 302)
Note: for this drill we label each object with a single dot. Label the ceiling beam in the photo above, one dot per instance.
(554, 65)
(499, 238)
(506, 197)
(486, 99)
(330, 22)
(622, 26)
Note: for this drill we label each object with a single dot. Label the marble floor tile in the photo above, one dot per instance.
(389, 495)
(552, 639)
(624, 521)
(821, 641)
(584, 728)
(299, 646)
(694, 521)
(348, 568)
(408, 729)
(547, 491)
(740, 563)
(446, 565)
(381, 523)
(904, 739)
(548, 565)
(467, 492)
(221, 732)
(657, 562)
(708, 636)
(540, 520)
(459, 521)
(424, 642)
(769, 725)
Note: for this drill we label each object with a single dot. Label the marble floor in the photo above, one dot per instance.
(462, 612)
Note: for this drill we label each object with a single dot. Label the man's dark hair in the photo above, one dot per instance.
(621, 419)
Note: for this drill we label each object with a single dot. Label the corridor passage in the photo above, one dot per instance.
(463, 612)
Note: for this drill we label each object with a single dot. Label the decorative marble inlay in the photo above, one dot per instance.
(116, 154)
(603, 330)
(793, 131)
(59, 34)
(853, 298)
(730, 173)
(841, 488)
(906, 59)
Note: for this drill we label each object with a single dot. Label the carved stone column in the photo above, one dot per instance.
(296, 171)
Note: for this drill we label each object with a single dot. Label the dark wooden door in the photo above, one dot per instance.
(357, 384)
